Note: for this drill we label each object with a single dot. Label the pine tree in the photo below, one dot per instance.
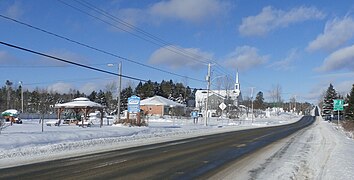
(93, 96)
(259, 101)
(327, 107)
(349, 110)
(125, 94)
(101, 98)
(139, 90)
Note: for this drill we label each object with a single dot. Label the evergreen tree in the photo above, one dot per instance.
(124, 95)
(148, 90)
(327, 107)
(138, 90)
(259, 101)
(93, 96)
(166, 88)
(349, 110)
(78, 94)
(101, 98)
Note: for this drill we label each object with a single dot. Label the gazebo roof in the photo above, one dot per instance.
(10, 112)
(80, 102)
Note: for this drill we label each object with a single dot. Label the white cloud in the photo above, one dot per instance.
(131, 18)
(66, 55)
(63, 87)
(187, 10)
(336, 33)
(195, 11)
(320, 87)
(287, 63)
(335, 75)
(344, 87)
(15, 10)
(60, 87)
(189, 57)
(89, 87)
(340, 59)
(6, 59)
(270, 19)
(244, 58)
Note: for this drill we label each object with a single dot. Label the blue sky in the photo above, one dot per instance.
(300, 45)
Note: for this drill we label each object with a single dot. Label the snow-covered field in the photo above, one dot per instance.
(321, 151)
(26, 143)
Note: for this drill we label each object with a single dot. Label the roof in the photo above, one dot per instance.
(10, 112)
(80, 102)
(158, 100)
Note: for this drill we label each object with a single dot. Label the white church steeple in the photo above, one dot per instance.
(237, 83)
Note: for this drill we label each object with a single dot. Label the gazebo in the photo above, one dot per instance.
(10, 114)
(83, 105)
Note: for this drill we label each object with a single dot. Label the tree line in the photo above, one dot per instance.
(42, 101)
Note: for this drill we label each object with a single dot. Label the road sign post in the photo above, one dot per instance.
(134, 107)
(338, 106)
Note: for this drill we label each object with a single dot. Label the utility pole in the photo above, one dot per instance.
(119, 88)
(207, 98)
(295, 104)
(21, 84)
(252, 103)
(8, 87)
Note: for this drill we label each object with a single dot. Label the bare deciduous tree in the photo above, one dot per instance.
(227, 83)
(275, 94)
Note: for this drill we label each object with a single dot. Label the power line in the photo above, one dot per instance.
(152, 38)
(73, 63)
(69, 62)
(97, 49)
(48, 66)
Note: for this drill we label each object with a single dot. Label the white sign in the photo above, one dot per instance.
(222, 106)
(134, 104)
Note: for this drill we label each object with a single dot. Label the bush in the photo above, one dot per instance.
(348, 126)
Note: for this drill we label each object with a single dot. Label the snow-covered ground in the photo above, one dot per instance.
(26, 143)
(321, 151)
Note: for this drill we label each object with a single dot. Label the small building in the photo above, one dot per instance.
(159, 106)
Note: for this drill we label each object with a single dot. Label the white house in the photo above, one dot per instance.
(232, 94)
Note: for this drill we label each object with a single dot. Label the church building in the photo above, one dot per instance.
(229, 97)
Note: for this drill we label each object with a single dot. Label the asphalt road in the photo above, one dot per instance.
(194, 158)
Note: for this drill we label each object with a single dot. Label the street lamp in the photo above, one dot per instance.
(119, 87)
(21, 85)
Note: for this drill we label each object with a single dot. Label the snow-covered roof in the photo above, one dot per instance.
(10, 112)
(80, 102)
(158, 100)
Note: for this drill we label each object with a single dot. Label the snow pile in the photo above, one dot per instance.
(321, 152)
